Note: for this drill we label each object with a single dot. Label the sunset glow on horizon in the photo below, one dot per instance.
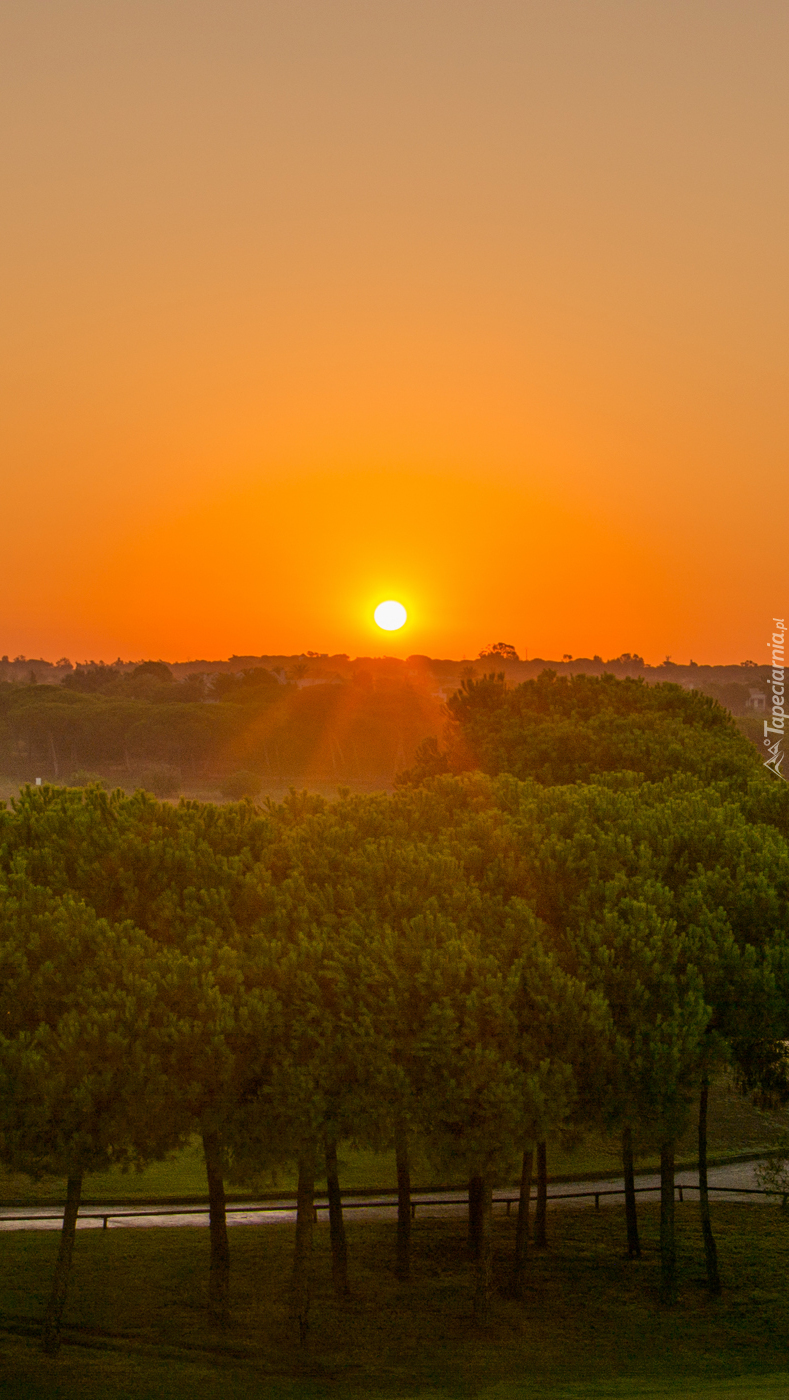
(477, 306)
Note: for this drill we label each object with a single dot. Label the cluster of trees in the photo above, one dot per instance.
(203, 728)
(564, 729)
(480, 963)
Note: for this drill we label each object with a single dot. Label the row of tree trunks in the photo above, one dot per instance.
(668, 1260)
(668, 1250)
(480, 1210)
(479, 1226)
(480, 1241)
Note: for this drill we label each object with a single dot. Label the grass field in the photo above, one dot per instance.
(735, 1127)
(590, 1324)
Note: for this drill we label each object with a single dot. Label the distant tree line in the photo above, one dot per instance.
(135, 724)
(307, 721)
(480, 964)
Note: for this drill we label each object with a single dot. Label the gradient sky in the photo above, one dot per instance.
(477, 304)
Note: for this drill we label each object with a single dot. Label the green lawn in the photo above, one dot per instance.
(735, 1127)
(590, 1324)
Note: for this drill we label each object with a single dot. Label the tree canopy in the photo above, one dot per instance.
(565, 729)
(476, 964)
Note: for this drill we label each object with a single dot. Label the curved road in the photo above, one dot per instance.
(737, 1177)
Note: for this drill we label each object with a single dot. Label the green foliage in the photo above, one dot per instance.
(82, 779)
(773, 1173)
(255, 684)
(91, 678)
(486, 960)
(82, 1030)
(563, 729)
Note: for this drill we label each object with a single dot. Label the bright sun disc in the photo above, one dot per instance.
(390, 615)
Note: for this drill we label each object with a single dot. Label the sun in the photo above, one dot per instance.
(390, 615)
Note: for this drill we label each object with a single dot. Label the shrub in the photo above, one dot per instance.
(83, 779)
(772, 1174)
(241, 784)
(162, 782)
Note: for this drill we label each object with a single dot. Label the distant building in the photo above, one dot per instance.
(757, 700)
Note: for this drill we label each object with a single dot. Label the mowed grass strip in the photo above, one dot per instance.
(114, 1377)
(590, 1323)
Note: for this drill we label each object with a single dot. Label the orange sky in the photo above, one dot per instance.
(478, 305)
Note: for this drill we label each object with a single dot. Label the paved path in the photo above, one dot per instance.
(384, 1207)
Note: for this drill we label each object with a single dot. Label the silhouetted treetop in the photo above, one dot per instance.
(503, 649)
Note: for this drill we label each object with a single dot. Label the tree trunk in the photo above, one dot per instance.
(710, 1252)
(339, 1247)
(476, 1188)
(403, 1202)
(54, 753)
(219, 1270)
(484, 1254)
(302, 1254)
(633, 1242)
(522, 1228)
(541, 1210)
(668, 1252)
(50, 1337)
